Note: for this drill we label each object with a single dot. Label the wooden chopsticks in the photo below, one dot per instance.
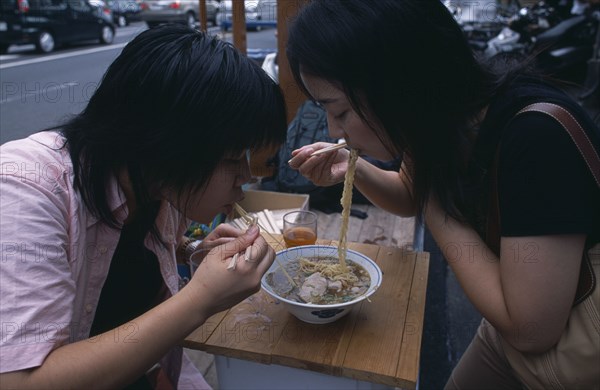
(251, 221)
(264, 218)
(329, 149)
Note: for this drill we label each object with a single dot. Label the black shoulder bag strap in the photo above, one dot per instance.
(587, 279)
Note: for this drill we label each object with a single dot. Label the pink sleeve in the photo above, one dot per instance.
(37, 289)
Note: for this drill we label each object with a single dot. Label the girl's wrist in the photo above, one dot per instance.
(198, 306)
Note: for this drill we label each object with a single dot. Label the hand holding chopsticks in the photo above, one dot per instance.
(251, 221)
(324, 164)
(329, 149)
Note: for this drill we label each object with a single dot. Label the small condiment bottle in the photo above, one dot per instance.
(185, 267)
(186, 247)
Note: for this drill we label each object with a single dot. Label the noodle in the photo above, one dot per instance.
(338, 271)
(346, 204)
(330, 271)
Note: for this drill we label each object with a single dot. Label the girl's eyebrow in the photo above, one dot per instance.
(327, 100)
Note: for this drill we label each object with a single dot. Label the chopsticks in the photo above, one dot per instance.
(329, 149)
(253, 220)
(272, 223)
(264, 218)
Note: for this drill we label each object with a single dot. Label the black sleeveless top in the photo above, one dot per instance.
(133, 284)
(544, 185)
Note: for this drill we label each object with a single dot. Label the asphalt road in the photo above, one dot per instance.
(41, 91)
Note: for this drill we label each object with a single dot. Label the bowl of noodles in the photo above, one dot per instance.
(316, 287)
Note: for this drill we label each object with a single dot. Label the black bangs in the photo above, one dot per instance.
(327, 35)
(210, 98)
(385, 55)
(250, 105)
(171, 106)
(222, 108)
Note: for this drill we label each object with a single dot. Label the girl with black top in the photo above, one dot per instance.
(398, 77)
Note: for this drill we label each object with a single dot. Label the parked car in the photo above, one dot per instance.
(49, 23)
(125, 11)
(155, 12)
(259, 13)
(102, 9)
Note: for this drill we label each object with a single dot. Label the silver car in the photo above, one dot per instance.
(155, 12)
(259, 14)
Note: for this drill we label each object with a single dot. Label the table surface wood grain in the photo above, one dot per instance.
(379, 341)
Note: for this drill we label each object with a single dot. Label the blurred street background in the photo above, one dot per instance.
(38, 91)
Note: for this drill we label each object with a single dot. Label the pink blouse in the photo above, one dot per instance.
(56, 257)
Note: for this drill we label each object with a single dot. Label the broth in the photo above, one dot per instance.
(299, 236)
(338, 288)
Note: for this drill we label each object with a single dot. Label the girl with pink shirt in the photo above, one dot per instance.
(91, 212)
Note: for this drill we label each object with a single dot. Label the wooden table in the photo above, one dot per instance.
(377, 342)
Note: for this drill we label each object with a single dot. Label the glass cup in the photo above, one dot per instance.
(299, 228)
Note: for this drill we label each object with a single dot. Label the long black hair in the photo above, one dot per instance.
(168, 109)
(407, 63)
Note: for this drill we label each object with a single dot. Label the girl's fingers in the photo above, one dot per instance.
(219, 241)
(259, 255)
(226, 230)
(240, 243)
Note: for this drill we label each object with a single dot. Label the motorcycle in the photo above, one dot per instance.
(565, 49)
(480, 25)
(521, 29)
(560, 47)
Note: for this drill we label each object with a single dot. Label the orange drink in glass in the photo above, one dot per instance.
(299, 228)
